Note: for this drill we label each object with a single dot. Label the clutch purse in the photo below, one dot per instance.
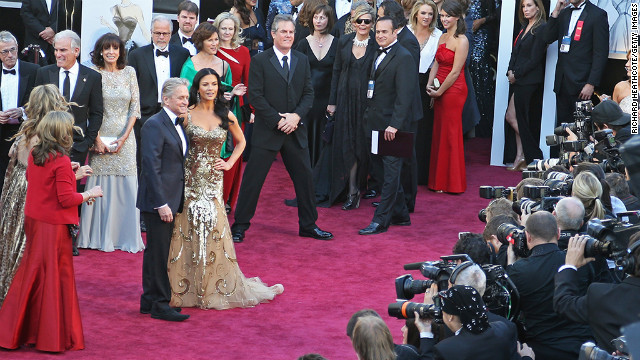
(327, 134)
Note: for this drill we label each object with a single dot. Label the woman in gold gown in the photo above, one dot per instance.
(203, 269)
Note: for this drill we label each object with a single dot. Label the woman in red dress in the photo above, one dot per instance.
(41, 307)
(447, 171)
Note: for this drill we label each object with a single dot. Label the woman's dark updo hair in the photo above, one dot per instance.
(106, 41)
(202, 33)
(221, 107)
(456, 9)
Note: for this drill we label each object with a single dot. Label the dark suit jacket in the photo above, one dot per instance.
(533, 277)
(605, 307)
(175, 39)
(27, 73)
(162, 176)
(36, 17)
(142, 59)
(395, 81)
(342, 64)
(88, 95)
(270, 93)
(528, 57)
(586, 60)
(409, 42)
(338, 28)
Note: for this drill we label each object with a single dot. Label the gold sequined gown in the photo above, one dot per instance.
(203, 269)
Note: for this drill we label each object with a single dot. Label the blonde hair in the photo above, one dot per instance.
(413, 17)
(372, 339)
(55, 136)
(587, 188)
(364, 9)
(236, 40)
(43, 99)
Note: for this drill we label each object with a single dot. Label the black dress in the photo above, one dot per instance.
(321, 72)
(349, 143)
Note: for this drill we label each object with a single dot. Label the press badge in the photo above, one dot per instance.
(370, 87)
(565, 44)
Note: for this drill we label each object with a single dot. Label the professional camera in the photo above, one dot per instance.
(496, 192)
(438, 271)
(407, 287)
(609, 237)
(501, 295)
(536, 174)
(607, 152)
(515, 235)
(589, 351)
(405, 309)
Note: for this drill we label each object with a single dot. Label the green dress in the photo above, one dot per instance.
(189, 72)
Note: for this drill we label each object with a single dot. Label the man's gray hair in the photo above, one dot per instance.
(68, 34)
(6, 37)
(473, 276)
(280, 18)
(170, 86)
(569, 213)
(158, 18)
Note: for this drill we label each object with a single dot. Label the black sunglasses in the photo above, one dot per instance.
(363, 21)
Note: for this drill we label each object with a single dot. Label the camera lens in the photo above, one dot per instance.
(406, 309)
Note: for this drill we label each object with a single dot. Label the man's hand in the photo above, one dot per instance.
(3, 117)
(525, 350)
(575, 251)
(47, 34)
(390, 133)
(331, 109)
(430, 293)
(511, 255)
(11, 116)
(511, 77)
(252, 118)
(288, 123)
(165, 213)
(561, 4)
(586, 92)
(423, 325)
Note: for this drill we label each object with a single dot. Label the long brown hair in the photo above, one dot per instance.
(243, 11)
(372, 339)
(456, 9)
(55, 136)
(43, 99)
(541, 16)
(305, 17)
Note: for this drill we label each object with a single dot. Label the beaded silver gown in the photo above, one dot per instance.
(203, 268)
(113, 221)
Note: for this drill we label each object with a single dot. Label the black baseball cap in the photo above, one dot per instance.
(609, 112)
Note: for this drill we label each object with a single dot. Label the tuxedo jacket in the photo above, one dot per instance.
(142, 59)
(587, 57)
(26, 80)
(270, 93)
(395, 83)
(87, 94)
(162, 176)
(528, 57)
(409, 42)
(605, 307)
(175, 39)
(36, 17)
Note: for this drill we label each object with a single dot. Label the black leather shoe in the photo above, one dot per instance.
(375, 203)
(291, 202)
(370, 194)
(147, 310)
(237, 237)
(373, 228)
(401, 222)
(353, 202)
(169, 315)
(316, 233)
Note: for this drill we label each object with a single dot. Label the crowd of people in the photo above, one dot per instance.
(316, 82)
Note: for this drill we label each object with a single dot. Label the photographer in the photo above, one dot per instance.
(605, 307)
(588, 189)
(620, 189)
(569, 214)
(403, 352)
(498, 249)
(473, 245)
(551, 336)
(465, 314)
(500, 206)
(372, 339)
(609, 115)
(610, 202)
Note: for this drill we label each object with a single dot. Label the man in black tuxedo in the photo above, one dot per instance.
(605, 307)
(78, 84)
(552, 336)
(40, 18)
(187, 22)
(281, 93)
(154, 64)
(161, 195)
(388, 111)
(16, 81)
(582, 32)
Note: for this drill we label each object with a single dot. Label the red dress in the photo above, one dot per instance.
(41, 307)
(446, 169)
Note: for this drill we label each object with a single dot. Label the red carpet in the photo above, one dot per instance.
(325, 281)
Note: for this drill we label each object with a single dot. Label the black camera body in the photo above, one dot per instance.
(609, 237)
(511, 234)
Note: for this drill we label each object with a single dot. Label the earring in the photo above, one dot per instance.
(198, 97)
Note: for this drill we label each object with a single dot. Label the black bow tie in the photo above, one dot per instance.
(179, 121)
(162, 53)
(294, 10)
(186, 40)
(12, 71)
(384, 50)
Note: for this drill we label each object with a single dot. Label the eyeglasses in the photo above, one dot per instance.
(157, 33)
(363, 21)
(8, 51)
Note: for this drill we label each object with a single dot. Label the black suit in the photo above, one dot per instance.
(176, 40)
(142, 60)
(391, 105)
(87, 94)
(36, 17)
(550, 335)
(161, 182)
(271, 93)
(586, 60)
(605, 307)
(26, 78)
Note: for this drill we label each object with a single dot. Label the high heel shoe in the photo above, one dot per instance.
(518, 165)
(353, 202)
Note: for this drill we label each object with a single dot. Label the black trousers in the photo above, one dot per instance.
(528, 121)
(298, 165)
(565, 107)
(409, 173)
(156, 289)
(392, 199)
(6, 132)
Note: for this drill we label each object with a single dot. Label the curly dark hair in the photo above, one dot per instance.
(202, 33)
(221, 107)
(106, 41)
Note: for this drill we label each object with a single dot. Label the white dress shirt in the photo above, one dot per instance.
(428, 52)
(281, 55)
(173, 118)
(49, 5)
(9, 88)
(295, 16)
(187, 45)
(384, 54)
(73, 78)
(575, 15)
(163, 67)
(343, 7)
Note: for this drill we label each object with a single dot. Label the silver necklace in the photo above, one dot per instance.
(360, 43)
(320, 42)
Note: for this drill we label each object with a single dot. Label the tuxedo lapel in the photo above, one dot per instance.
(173, 61)
(80, 83)
(583, 18)
(151, 63)
(166, 120)
(292, 67)
(276, 64)
(54, 76)
(386, 60)
(22, 85)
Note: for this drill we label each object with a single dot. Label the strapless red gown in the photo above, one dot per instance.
(446, 170)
